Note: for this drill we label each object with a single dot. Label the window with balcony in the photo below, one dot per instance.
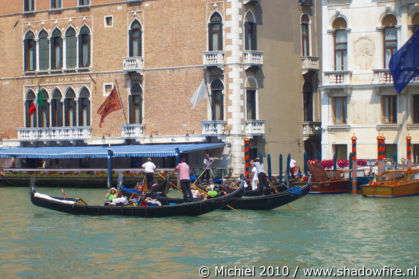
(305, 36)
(30, 120)
(43, 111)
(215, 32)
(84, 47)
(84, 107)
(341, 151)
(135, 104)
(217, 99)
(389, 38)
(70, 108)
(415, 108)
(389, 108)
(56, 109)
(55, 4)
(71, 48)
(340, 44)
(135, 39)
(30, 52)
(43, 51)
(251, 104)
(29, 5)
(250, 32)
(339, 110)
(56, 50)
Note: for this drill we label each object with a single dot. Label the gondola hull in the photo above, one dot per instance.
(76, 207)
(268, 202)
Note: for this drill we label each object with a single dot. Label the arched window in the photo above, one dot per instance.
(217, 99)
(43, 110)
(56, 109)
(415, 22)
(43, 51)
(305, 36)
(340, 44)
(30, 52)
(84, 107)
(30, 120)
(215, 32)
(71, 48)
(84, 47)
(135, 104)
(135, 39)
(250, 32)
(70, 108)
(56, 50)
(389, 38)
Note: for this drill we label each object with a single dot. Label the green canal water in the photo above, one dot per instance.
(330, 231)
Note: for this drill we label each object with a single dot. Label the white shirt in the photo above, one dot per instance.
(292, 163)
(255, 173)
(149, 167)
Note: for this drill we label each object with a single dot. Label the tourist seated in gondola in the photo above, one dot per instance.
(110, 195)
(196, 195)
(135, 198)
(120, 199)
(211, 191)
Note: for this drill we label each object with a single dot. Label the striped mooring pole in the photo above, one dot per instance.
(246, 156)
(381, 147)
(409, 151)
(354, 179)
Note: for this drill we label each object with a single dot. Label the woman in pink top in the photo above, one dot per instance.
(185, 180)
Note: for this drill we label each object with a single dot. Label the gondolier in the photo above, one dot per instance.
(208, 173)
(263, 180)
(149, 168)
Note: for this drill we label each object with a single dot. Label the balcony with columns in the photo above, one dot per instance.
(132, 131)
(309, 63)
(337, 78)
(79, 133)
(213, 128)
(383, 77)
(311, 128)
(253, 58)
(133, 64)
(213, 59)
(255, 128)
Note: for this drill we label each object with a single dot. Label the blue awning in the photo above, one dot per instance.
(101, 151)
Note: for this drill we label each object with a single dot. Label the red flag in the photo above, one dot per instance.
(109, 105)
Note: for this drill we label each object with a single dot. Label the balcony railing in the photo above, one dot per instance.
(253, 58)
(309, 63)
(213, 58)
(337, 77)
(255, 127)
(54, 133)
(384, 77)
(134, 64)
(311, 128)
(213, 128)
(132, 131)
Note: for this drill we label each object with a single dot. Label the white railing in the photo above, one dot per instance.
(54, 133)
(310, 63)
(337, 77)
(255, 127)
(311, 128)
(134, 64)
(213, 128)
(132, 130)
(213, 58)
(383, 76)
(253, 58)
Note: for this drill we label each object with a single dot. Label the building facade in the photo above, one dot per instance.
(245, 55)
(358, 97)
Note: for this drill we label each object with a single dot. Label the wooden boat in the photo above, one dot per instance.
(180, 208)
(393, 183)
(267, 202)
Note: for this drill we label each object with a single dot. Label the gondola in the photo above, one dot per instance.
(79, 207)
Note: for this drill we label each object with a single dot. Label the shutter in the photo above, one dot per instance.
(210, 48)
(43, 54)
(221, 36)
(26, 53)
(254, 36)
(71, 45)
(130, 104)
(130, 44)
(88, 113)
(246, 32)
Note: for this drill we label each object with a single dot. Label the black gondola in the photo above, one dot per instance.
(79, 207)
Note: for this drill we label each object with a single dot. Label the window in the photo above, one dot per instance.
(71, 47)
(108, 21)
(415, 153)
(70, 108)
(251, 104)
(308, 106)
(84, 2)
(135, 39)
(340, 42)
(30, 120)
(43, 111)
(30, 52)
(389, 106)
(389, 38)
(217, 97)
(135, 104)
(305, 36)
(250, 32)
(55, 4)
(391, 151)
(43, 51)
(341, 151)
(415, 22)
(84, 107)
(415, 108)
(56, 50)
(215, 32)
(56, 109)
(28, 5)
(339, 110)
(84, 47)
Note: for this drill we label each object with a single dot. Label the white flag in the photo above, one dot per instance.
(200, 94)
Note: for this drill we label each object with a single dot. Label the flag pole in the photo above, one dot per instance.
(120, 100)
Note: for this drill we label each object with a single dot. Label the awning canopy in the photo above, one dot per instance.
(101, 151)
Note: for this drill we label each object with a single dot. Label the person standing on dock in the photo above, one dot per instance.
(149, 168)
(185, 180)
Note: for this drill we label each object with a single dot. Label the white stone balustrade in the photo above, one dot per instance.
(134, 64)
(131, 131)
(213, 58)
(253, 58)
(213, 128)
(255, 127)
(54, 133)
